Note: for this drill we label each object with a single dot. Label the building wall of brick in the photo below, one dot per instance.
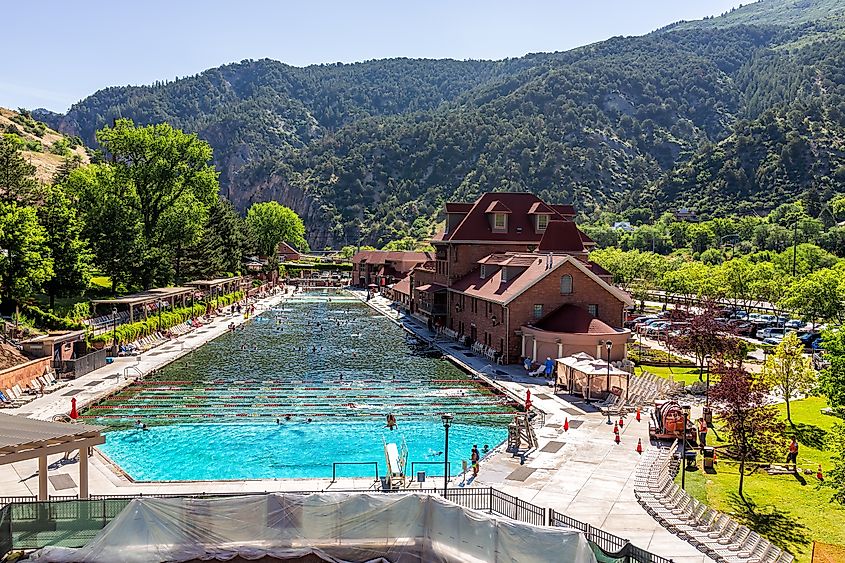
(501, 334)
(24, 373)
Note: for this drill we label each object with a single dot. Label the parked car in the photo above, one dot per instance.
(631, 323)
(773, 340)
(797, 324)
(657, 329)
(741, 328)
(740, 314)
(770, 332)
(642, 326)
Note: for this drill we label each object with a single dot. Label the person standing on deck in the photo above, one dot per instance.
(550, 366)
(475, 458)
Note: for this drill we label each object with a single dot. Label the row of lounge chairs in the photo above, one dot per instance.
(718, 535)
(647, 387)
(105, 321)
(17, 396)
(490, 353)
(148, 342)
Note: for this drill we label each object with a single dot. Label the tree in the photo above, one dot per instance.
(112, 224)
(703, 336)
(25, 263)
(271, 224)
(789, 371)
(71, 257)
(162, 167)
(832, 378)
(741, 400)
(835, 477)
(819, 295)
(17, 176)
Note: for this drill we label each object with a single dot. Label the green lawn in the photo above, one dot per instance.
(686, 375)
(790, 510)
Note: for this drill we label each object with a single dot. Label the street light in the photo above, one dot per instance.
(447, 422)
(609, 345)
(708, 415)
(686, 409)
(114, 331)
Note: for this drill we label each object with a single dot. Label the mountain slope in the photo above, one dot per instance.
(361, 150)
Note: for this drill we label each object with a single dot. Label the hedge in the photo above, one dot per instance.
(131, 332)
(45, 319)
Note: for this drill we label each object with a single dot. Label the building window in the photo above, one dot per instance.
(504, 274)
(489, 307)
(565, 284)
(542, 223)
(538, 310)
(593, 310)
(500, 222)
(474, 305)
(483, 273)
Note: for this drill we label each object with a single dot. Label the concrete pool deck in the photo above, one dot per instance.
(582, 473)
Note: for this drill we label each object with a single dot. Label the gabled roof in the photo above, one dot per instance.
(285, 248)
(498, 207)
(572, 319)
(540, 208)
(475, 225)
(403, 286)
(492, 288)
(561, 236)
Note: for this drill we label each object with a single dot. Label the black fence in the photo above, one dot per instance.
(610, 544)
(85, 364)
(66, 521)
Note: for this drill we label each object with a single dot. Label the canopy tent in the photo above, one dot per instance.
(337, 527)
(584, 374)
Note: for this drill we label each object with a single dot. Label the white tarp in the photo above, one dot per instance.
(336, 527)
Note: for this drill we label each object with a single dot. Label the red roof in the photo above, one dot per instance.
(539, 208)
(285, 248)
(598, 270)
(430, 287)
(492, 288)
(561, 236)
(573, 319)
(403, 286)
(564, 209)
(521, 223)
(458, 207)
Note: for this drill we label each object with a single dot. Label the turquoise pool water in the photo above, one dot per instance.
(323, 356)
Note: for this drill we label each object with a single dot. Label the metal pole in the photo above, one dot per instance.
(684, 454)
(114, 330)
(446, 461)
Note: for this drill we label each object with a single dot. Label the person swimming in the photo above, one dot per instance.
(140, 425)
(243, 347)
(391, 421)
(485, 449)
(287, 417)
(308, 420)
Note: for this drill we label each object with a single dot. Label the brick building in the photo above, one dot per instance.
(507, 261)
(384, 268)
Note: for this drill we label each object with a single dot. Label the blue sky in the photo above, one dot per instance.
(57, 52)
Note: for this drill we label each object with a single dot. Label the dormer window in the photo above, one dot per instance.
(504, 274)
(500, 222)
(542, 223)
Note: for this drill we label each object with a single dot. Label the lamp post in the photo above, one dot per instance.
(114, 331)
(447, 422)
(686, 409)
(609, 345)
(708, 413)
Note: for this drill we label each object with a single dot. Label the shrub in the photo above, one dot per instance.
(44, 319)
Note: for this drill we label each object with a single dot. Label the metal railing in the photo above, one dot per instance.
(26, 523)
(609, 543)
(336, 463)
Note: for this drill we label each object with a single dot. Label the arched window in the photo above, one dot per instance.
(565, 284)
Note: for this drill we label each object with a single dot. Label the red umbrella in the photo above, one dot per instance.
(73, 414)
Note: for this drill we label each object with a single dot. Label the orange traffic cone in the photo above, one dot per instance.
(566, 425)
(819, 475)
(616, 428)
(621, 422)
(638, 414)
(617, 438)
(639, 445)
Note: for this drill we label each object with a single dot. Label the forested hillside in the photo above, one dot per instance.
(742, 111)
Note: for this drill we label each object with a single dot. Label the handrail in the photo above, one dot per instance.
(336, 463)
(440, 463)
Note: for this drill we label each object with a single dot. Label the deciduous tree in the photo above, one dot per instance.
(789, 371)
(741, 400)
(25, 263)
(271, 224)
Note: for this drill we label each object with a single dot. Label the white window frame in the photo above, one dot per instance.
(593, 310)
(504, 218)
(537, 307)
(545, 218)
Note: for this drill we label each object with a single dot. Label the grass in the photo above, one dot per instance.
(790, 510)
(686, 375)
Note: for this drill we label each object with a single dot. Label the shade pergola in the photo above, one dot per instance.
(25, 438)
(217, 286)
(144, 298)
(590, 376)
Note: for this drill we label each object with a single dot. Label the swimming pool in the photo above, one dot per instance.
(222, 412)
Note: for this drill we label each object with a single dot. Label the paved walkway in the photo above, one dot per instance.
(582, 472)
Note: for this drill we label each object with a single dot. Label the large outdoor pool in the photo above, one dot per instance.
(239, 407)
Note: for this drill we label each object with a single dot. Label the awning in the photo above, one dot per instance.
(430, 287)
